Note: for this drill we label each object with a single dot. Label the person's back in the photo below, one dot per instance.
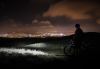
(78, 36)
(78, 31)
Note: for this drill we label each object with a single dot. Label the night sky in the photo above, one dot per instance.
(48, 16)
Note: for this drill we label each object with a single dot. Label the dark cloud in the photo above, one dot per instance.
(49, 15)
(73, 9)
(23, 10)
(19, 10)
(40, 6)
(67, 13)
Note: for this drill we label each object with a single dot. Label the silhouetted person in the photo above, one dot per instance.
(78, 37)
(78, 31)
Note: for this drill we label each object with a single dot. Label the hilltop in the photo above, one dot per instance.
(91, 45)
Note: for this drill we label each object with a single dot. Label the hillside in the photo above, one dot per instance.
(89, 54)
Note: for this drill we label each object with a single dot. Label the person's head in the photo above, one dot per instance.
(77, 25)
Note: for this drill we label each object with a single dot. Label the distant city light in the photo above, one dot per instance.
(20, 35)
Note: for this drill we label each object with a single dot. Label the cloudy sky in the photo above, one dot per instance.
(43, 16)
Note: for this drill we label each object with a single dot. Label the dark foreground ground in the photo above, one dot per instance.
(48, 51)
